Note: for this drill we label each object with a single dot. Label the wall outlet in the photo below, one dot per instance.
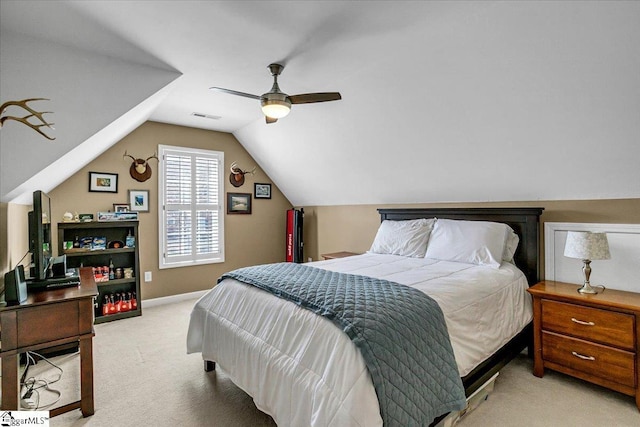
(147, 276)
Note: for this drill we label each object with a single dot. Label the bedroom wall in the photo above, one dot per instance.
(13, 236)
(353, 227)
(249, 239)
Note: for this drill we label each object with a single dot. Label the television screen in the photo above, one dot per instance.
(40, 235)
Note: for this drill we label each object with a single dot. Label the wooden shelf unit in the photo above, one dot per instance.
(122, 257)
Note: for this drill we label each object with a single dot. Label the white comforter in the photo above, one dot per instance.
(302, 370)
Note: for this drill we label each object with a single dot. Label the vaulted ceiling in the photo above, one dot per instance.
(442, 101)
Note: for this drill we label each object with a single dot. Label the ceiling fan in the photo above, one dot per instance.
(277, 104)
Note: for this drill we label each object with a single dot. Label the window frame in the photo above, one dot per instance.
(194, 259)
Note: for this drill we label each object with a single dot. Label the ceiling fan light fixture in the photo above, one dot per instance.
(276, 107)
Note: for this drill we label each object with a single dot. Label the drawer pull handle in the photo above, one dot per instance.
(582, 356)
(581, 322)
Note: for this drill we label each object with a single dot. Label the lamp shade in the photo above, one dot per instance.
(587, 245)
(276, 105)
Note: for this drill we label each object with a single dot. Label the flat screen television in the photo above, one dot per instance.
(40, 236)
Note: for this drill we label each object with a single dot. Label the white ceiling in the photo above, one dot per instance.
(442, 101)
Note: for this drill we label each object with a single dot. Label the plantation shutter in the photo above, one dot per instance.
(191, 218)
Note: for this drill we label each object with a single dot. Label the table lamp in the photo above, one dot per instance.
(587, 246)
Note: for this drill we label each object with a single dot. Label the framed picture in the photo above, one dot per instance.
(261, 191)
(238, 203)
(121, 207)
(102, 182)
(139, 200)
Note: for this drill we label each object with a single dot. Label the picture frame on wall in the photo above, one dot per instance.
(239, 203)
(139, 200)
(103, 182)
(261, 191)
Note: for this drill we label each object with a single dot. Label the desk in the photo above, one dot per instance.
(46, 319)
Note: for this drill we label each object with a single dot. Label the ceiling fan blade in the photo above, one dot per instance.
(307, 98)
(270, 119)
(235, 92)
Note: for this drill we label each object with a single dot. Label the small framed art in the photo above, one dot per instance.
(238, 203)
(139, 200)
(261, 191)
(120, 207)
(102, 182)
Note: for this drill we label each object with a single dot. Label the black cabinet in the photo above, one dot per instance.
(111, 248)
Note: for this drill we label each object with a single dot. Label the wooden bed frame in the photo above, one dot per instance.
(526, 223)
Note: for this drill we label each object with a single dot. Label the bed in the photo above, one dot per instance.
(302, 370)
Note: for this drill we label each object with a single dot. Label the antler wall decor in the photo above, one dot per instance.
(140, 169)
(25, 120)
(236, 178)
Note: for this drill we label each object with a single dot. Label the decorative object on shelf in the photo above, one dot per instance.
(236, 178)
(115, 244)
(587, 246)
(67, 217)
(140, 169)
(85, 217)
(117, 216)
(103, 182)
(139, 200)
(130, 241)
(99, 243)
(238, 203)
(121, 207)
(261, 191)
(25, 120)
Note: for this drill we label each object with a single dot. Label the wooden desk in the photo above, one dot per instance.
(47, 319)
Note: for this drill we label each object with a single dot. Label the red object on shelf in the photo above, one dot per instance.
(294, 243)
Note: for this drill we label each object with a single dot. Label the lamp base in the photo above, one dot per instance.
(587, 289)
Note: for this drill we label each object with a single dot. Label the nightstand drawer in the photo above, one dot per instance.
(594, 359)
(606, 327)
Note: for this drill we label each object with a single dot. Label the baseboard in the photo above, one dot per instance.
(146, 303)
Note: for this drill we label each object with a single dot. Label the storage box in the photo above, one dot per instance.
(473, 401)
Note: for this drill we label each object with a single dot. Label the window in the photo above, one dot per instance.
(191, 215)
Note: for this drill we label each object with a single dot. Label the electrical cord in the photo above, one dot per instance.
(34, 385)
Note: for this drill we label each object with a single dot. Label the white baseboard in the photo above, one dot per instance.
(146, 303)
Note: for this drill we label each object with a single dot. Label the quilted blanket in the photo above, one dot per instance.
(400, 332)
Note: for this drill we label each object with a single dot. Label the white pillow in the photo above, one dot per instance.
(406, 238)
(471, 242)
(510, 245)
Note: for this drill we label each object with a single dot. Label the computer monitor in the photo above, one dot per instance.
(40, 236)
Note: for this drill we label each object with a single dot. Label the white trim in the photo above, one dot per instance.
(623, 239)
(194, 258)
(153, 302)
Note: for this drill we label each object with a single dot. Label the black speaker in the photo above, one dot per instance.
(59, 266)
(15, 287)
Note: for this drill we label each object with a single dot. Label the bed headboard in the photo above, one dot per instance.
(524, 221)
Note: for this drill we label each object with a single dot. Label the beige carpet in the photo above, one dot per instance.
(143, 377)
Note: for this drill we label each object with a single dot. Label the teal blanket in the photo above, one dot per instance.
(400, 332)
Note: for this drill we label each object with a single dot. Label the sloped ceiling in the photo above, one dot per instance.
(442, 101)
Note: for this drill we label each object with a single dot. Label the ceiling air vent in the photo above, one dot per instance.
(206, 116)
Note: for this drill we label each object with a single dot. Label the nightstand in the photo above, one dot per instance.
(335, 255)
(591, 337)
